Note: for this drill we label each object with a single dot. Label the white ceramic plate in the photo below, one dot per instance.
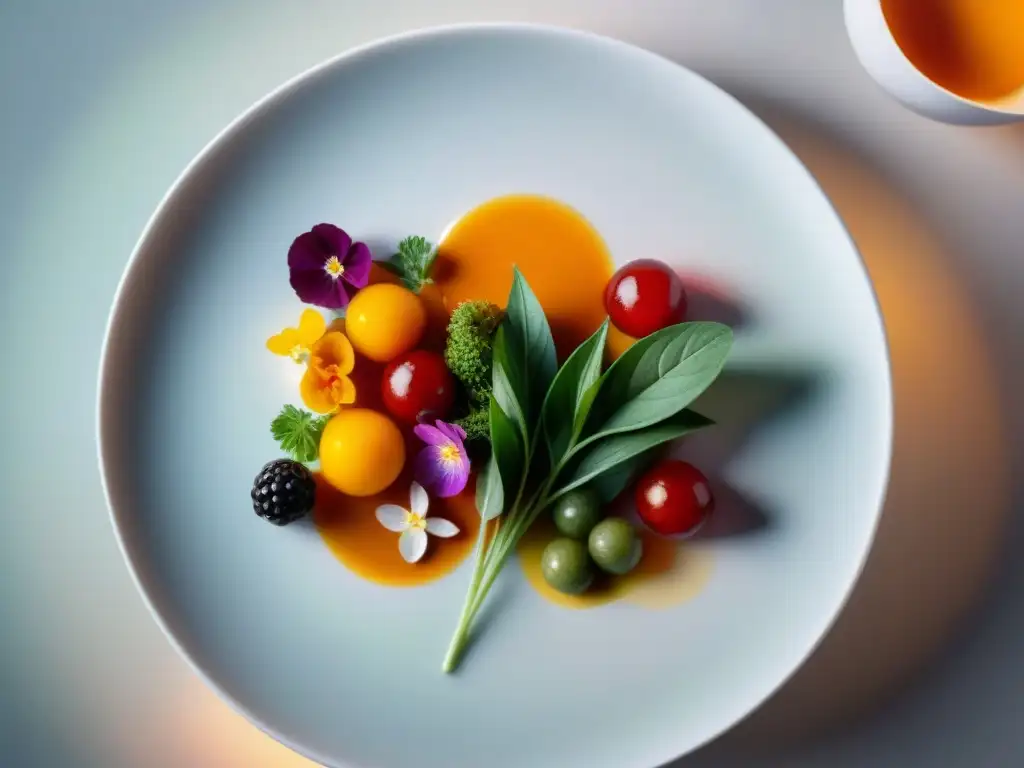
(402, 137)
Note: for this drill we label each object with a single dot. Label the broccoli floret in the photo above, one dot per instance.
(468, 351)
(468, 354)
(477, 424)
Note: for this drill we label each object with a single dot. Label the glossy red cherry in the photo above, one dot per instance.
(645, 296)
(673, 497)
(418, 385)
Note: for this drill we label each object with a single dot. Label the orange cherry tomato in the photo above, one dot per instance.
(362, 452)
(384, 320)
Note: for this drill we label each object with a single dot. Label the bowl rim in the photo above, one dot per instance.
(105, 407)
(1010, 112)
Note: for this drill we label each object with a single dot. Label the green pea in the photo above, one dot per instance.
(577, 512)
(566, 566)
(615, 546)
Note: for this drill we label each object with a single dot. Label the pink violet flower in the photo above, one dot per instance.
(442, 467)
(327, 268)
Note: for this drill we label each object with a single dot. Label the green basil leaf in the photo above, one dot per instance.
(618, 448)
(660, 375)
(648, 367)
(504, 395)
(572, 392)
(490, 496)
(506, 451)
(670, 355)
(608, 485)
(530, 347)
(616, 379)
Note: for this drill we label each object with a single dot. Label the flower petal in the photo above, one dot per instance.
(439, 477)
(342, 295)
(412, 544)
(430, 435)
(307, 253)
(357, 265)
(427, 466)
(392, 517)
(315, 395)
(335, 349)
(451, 483)
(316, 287)
(418, 500)
(453, 432)
(284, 342)
(311, 327)
(438, 526)
(333, 240)
(345, 391)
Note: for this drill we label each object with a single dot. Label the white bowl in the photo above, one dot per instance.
(882, 57)
(402, 137)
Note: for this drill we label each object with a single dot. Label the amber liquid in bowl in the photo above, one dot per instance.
(972, 48)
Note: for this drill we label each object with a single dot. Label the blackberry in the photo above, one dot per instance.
(283, 491)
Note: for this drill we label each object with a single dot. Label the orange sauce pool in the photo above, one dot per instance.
(567, 265)
(350, 529)
(559, 253)
(974, 48)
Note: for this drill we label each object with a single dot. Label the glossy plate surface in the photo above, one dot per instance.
(402, 137)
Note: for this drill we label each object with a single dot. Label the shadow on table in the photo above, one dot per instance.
(948, 495)
(1009, 135)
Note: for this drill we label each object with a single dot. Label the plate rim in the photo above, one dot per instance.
(104, 409)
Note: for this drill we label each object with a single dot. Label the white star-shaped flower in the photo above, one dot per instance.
(413, 524)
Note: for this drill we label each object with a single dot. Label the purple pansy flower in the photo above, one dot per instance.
(443, 466)
(326, 267)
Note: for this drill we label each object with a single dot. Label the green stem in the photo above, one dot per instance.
(518, 523)
(461, 636)
(474, 596)
(515, 506)
(507, 545)
(490, 560)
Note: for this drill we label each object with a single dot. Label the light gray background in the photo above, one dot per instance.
(102, 104)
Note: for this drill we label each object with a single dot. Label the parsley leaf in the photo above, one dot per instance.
(298, 433)
(413, 262)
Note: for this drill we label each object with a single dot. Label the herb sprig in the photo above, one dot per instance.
(555, 429)
(298, 433)
(413, 262)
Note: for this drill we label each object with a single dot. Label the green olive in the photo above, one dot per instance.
(566, 566)
(615, 546)
(577, 512)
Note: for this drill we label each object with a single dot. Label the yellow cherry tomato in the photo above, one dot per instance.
(384, 321)
(361, 452)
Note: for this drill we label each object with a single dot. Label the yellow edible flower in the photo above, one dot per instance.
(326, 386)
(297, 342)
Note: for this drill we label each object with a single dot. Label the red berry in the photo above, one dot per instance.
(645, 296)
(418, 385)
(673, 497)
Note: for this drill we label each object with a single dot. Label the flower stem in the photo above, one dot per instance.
(461, 636)
(490, 559)
(506, 546)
